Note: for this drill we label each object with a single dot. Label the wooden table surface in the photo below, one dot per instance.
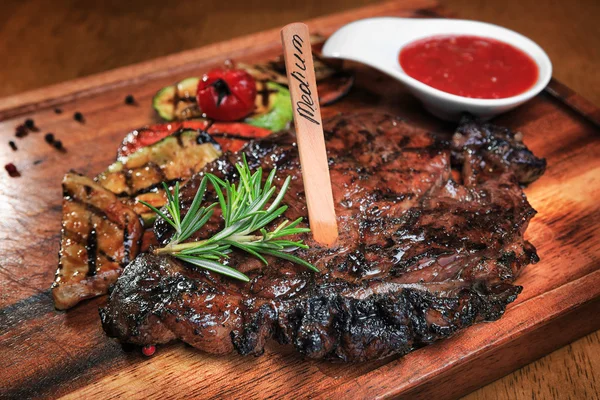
(48, 41)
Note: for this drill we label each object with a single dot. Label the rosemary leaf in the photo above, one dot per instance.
(246, 208)
(214, 266)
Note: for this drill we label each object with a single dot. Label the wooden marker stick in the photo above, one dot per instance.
(309, 132)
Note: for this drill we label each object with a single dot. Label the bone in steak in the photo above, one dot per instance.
(423, 251)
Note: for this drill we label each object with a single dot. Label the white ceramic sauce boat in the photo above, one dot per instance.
(377, 42)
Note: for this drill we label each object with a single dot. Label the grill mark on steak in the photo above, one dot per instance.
(419, 257)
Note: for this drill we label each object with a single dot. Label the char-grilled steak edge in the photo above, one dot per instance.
(431, 241)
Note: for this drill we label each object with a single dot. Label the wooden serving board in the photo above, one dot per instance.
(46, 353)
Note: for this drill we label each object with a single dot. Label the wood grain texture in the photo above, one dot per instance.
(570, 34)
(72, 355)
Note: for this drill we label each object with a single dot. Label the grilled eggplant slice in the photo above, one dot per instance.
(332, 83)
(102, 229)
(335, 87)
(100, 235)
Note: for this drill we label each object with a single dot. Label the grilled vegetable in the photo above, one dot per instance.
(175, 157)
(231, 136)
(100, 235)
(140, 175)
(149, 135)
(178, 102)
(335, 87)
(226, 94)
(273, 107)
(102, 230)
(164, 102)
(333, 83)
(156, 198)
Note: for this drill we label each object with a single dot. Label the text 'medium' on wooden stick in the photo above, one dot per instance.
(309, 132)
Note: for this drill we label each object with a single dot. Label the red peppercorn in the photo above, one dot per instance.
(12, 170)
(149, 350)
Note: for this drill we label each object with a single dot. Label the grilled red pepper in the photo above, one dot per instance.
(147, 136)
(231, 136)
(226, 94)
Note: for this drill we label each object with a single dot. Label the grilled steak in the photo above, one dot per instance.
(424, 250)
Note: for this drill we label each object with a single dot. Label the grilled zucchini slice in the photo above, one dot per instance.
(178, 102)
(273, 107)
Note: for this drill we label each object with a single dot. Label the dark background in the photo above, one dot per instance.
(49, 41)
(43, 42)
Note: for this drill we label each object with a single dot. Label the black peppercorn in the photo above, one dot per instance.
(29, 123)
(21, 131)
(12, 145)
(49, 138)
(129, 99)
(78, 116)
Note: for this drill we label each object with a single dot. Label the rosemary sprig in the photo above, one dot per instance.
(246, 212)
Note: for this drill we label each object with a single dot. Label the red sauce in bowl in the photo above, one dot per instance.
(469, 66)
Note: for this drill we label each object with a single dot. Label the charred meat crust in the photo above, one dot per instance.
(487, 149)
(332, 326)
(420, 255)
